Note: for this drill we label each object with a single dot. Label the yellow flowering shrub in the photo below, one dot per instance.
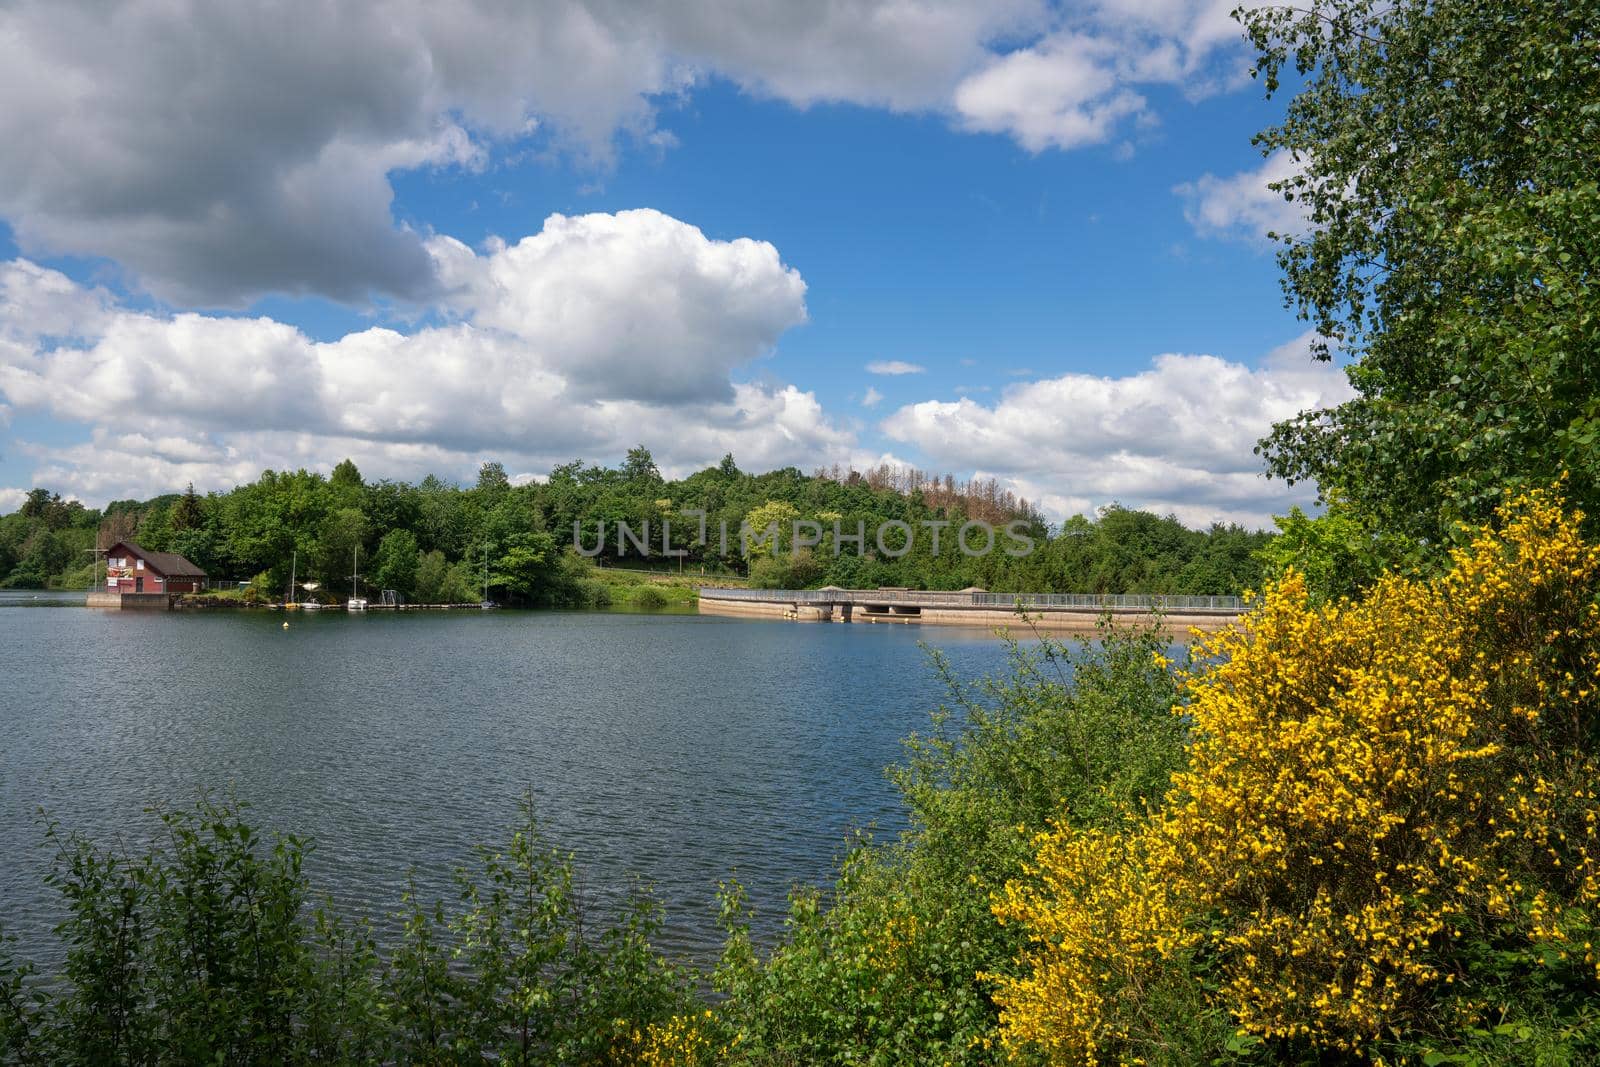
(1378, 789)
(681, 1041)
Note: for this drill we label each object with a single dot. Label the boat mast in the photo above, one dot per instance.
(486, 572)
(355, 564)
(293, 560)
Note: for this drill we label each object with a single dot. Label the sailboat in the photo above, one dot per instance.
(356, 603)
(288, 599)
(486, 604)
(289, 603)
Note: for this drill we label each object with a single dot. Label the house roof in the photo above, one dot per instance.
(168, 563)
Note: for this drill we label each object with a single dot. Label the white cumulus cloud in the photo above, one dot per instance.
(1064, 93)
(1177, 437)
(594, 334)
(595, 293)
(1241, 206)
(1082, 82)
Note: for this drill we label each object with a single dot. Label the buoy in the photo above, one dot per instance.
(286, 624)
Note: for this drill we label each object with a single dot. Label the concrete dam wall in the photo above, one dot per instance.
(1047, 611)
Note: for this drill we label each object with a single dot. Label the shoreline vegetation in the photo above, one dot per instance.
(596, 588)
(430, 541)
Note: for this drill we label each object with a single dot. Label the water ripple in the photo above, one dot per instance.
(675, 749)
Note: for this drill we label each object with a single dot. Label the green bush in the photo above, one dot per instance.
(885, 967)
(204, 950)
(592, 594)
(648, 596)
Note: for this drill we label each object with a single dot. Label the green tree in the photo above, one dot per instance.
(263, 524)
(1448, 172)
(525, 566)
(771, 528)
(442, 521)
(786, 572)
(345, 475)
(1338, 553)
(396, 562)
(36, 504)
(199, 548)
(187, 513)
(492, 480)
(432, 572)
(342, 533)
(640, 467)
(438, 582)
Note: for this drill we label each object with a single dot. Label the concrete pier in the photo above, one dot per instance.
(1047, 611)
(130, 601)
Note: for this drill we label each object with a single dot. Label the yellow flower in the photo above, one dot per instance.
(1366, 779)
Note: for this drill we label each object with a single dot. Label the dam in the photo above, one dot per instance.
(973, 607)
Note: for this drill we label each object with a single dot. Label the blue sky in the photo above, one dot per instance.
(259, 247)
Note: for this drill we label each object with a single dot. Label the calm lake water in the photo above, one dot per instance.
(678, 748)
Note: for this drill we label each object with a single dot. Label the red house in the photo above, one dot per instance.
(131, 569)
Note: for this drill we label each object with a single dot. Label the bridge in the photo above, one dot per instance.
(971, 607)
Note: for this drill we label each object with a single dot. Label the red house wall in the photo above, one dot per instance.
(154, 580)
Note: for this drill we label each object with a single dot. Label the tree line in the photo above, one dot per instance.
(434, 541)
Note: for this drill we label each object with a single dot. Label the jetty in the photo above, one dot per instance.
(972, 607)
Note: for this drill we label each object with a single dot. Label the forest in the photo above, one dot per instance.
(437, 542)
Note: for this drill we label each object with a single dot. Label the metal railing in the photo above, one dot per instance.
(1230, 605)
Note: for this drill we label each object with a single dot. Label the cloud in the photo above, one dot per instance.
(1080, 83)
(219, 152)
(545, 350)
(1062, 94)
(871, 398)
(1240, 206)
(635, 305)
(38, 303)
(11, 500)
(905, 55)
(764, 428)
(894, 367)
(1176, 437)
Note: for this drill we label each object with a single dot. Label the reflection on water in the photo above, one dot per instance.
(681, 749)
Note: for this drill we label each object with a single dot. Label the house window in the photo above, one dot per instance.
(138, 564)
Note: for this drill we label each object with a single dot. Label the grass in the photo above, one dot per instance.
(656, 589)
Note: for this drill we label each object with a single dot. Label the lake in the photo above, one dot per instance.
(678, 748)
